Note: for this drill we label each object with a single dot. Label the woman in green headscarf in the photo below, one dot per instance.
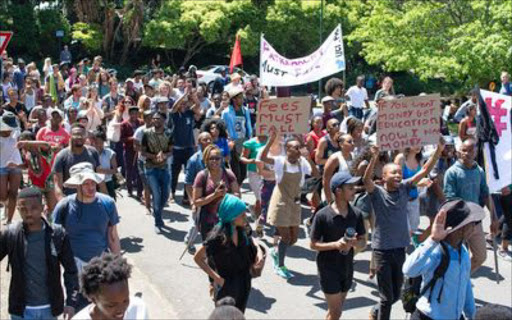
(228, 253)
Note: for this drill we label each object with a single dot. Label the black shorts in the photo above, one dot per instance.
(337, 277)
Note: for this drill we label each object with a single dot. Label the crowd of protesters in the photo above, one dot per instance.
(80, 135)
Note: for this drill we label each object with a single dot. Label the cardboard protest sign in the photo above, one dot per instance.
(285, 115)
(408, 122)
(279, 71)
(498, 160)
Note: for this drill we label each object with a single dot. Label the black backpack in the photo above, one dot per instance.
(411, 289)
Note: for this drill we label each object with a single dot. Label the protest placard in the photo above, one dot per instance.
(408, 122)
(498, 159)
(285, 115)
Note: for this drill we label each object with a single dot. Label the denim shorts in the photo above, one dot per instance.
(6, 170)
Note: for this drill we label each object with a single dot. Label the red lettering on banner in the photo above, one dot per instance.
(497, 112)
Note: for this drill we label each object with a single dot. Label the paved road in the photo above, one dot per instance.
(178, 289)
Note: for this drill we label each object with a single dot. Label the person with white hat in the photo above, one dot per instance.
(236, 82)
(447, 296)
(90, 218)
(238, 124)
(10, 160)
(76, 152)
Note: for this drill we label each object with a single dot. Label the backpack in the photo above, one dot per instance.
(411, 289)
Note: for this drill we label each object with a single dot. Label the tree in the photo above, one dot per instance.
(466, 41)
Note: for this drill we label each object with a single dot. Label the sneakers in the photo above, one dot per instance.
(158, 230)
(283, 272)
(505, 255)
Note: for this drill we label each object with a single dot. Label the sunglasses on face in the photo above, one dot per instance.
(336, 124)
(215, 158)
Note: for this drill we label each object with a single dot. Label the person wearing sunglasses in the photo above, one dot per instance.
(210, 186)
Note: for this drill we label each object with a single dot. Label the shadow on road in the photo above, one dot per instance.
(174, 216)
(307, 280)
(257, 301)
(486, 272)
(301, 252)
(173, 234)
(131, 244)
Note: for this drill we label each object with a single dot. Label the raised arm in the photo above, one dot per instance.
(266, 149)
(368, 174)
(425, 170)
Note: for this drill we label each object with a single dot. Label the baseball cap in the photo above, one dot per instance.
(341, 178)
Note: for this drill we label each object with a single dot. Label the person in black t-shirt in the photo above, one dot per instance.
(330, 236)
(229, 252)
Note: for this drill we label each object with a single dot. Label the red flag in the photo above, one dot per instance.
(236, 56)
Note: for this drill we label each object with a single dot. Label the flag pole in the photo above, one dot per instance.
(321, 32)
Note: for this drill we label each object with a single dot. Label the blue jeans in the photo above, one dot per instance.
(35, 314)
(356, 112)
(179, 159)
(159, 183)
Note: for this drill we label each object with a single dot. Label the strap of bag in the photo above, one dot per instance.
(438, 273)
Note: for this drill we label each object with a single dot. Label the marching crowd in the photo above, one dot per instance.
(71, 135)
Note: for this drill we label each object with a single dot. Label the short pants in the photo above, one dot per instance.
(6, 170)
(337, 277)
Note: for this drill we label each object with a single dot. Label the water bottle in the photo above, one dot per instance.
(349, 234)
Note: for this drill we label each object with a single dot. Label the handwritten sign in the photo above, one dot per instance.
(408, 122)
(285, 115)
(279, 71)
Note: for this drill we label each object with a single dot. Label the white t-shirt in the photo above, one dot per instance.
(136, 311)
(8, 150)
(290, 168)
(357, 96)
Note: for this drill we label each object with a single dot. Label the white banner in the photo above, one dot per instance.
(278, 71)
(500, 110)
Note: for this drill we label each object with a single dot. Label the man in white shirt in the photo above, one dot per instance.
(358, 98)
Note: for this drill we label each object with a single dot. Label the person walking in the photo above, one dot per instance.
(128, 128)
(284, 209)
(10, 160)
(466, 180)
(391, 235)
(449, 296)
(89, 217)
(156, 147)
(229, 253)
(210, 185)
(36, 252)
(336, 231)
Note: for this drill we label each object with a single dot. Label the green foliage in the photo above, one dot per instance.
(89, 35)
(24, 26)
(467, 41)
(49, 21)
